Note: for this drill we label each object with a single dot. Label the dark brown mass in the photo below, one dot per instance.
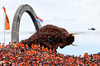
(51, 37)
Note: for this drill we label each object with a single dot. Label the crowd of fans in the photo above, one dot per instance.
(22, 55)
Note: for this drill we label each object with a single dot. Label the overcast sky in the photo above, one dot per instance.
(73, 15)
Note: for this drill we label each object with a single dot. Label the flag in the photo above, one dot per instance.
(7, 23)
(39, 20)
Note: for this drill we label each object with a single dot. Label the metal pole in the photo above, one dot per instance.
(35, 34)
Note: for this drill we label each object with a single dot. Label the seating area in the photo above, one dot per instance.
(36, 55)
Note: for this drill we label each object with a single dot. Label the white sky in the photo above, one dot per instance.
(70, 14)
(73, 15)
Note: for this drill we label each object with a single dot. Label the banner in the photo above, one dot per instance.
(7, 23)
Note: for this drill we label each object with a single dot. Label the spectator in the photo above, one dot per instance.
(40, 56)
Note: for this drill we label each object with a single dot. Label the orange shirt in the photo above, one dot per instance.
(22, 45)
(86, 55)
(4, 62)
(26, 45)
(32, 46)
(37, 58)
(3, 45)
(50, 50)
(46, 49)
(95, 64)
(0, 46)
(79, 56)
(62, 59)
(14, 45)
(6, 46)
(91, 64)
(19, 45)
(33, 52)
(53, 50)
(29, 52)
(47, 55)
(36, 47)
(20, 64)
(94, 55)
(71, 59)
(9, 53)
